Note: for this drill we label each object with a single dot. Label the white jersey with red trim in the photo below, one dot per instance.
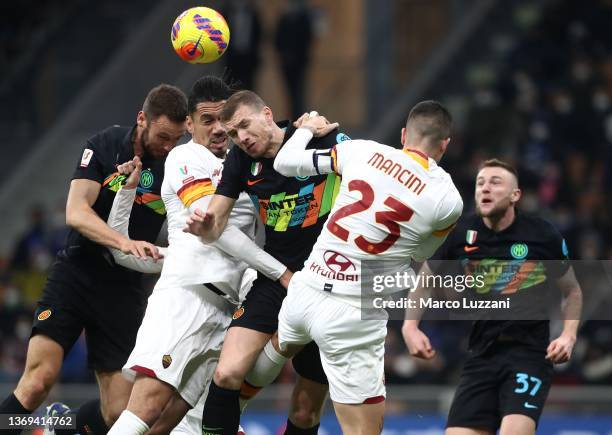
(393, 206)
(193, 172)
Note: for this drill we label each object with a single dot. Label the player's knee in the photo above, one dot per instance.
(229, 378)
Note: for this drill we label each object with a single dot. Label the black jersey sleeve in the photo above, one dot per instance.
(91, 162)
(234, 174)
(558, 252)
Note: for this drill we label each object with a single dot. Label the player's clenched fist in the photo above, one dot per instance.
(418, 343)
(134, 169)
(199, 223)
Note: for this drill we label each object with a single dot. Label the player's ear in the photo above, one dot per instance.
(141, 119)
(444, 144)
(268, 114)
(515, 196)
(403, 138)
(190, 125)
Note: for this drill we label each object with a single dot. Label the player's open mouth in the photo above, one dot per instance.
(219, 140)
(486, 201)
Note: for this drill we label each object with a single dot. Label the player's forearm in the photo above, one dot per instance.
(239, 245)
(87, 222)
(571, 308)
(119, 220)
(414, 310)
(293, 159)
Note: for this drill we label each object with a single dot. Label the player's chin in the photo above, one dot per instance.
(219, 149)
(254, 153)
(487, 209)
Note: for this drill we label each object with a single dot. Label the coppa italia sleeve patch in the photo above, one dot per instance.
(86, 158)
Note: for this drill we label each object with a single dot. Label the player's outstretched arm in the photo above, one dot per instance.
(294, 159)
(560, 349)
(119, 220)
(81, 216)
(416, 340)
(209, 224)
(237, 244)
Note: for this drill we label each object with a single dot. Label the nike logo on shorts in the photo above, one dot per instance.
(529, 405)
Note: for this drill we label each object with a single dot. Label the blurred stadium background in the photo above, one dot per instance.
(529, 81)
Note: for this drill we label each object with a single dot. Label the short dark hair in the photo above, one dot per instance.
(208, 89)
(165, 100)
(496, 163)
(430, 120)
(247, 98)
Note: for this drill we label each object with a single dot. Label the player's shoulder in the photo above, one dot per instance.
(351, 146)
(115, 135)
(331, 139)
(446, 186)
(537, 225)
(468, 222)
(190, 150)
(191, 156)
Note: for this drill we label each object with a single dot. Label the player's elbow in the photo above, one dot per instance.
(75, 217)
(281, 167)
(72, 218)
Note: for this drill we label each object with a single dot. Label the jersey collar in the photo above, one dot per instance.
(418, 156)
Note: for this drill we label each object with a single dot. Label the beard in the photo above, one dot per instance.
(144, 141)
(496, 212)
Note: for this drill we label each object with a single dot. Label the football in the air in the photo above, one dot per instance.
(200, 35)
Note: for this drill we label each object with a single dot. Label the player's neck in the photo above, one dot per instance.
(278, 136)
(137, 141)
(500, 223)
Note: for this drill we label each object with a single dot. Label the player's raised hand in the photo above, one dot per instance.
(317, 124)
(560, 349)
(199, 223)
(418, 343)
(140, 249)
(134, 168)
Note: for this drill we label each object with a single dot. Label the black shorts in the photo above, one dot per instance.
(106, 301)
(259, 312)
(508, 378)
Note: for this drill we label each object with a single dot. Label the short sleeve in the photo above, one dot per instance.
(448, 213)
(233, 176)
(189, 177)
(559, 253)
(90, 165)
(345, 151)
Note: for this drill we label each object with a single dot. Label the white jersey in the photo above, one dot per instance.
(192, 172)
(393, 206)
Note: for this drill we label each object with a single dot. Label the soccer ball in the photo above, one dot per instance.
(200, 35)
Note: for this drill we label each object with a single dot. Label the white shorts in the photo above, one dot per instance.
(352, 350)
(180, 339)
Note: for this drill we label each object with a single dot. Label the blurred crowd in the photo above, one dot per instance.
(547, 109)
